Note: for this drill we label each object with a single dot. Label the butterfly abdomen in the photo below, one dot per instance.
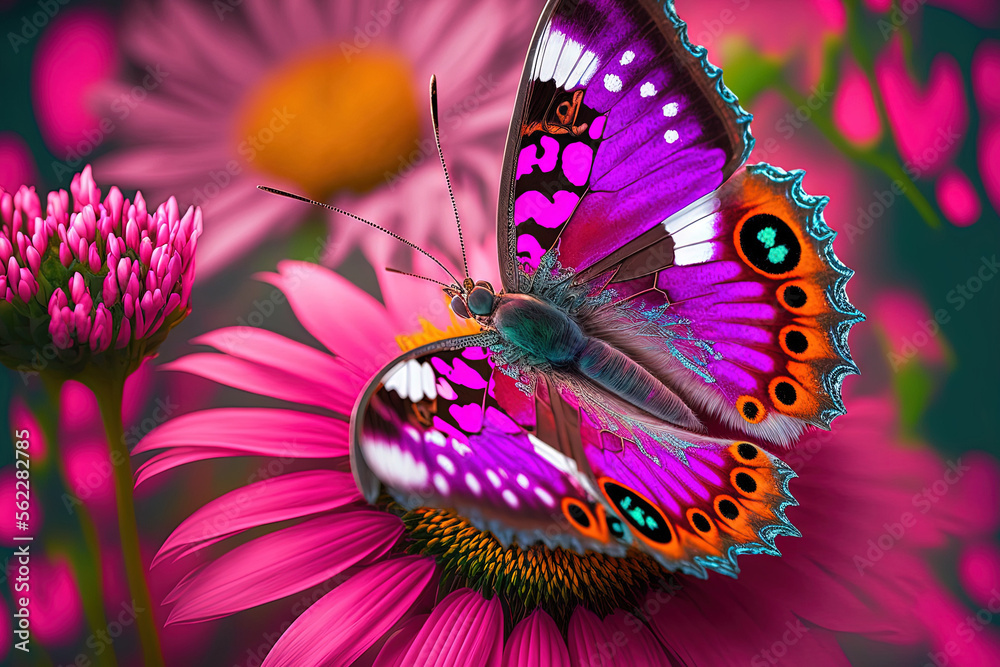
(608, 367)
(547, 335)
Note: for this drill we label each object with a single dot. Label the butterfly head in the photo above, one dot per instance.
(474, 301)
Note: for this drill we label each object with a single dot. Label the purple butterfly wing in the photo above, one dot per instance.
(430, 430)
(624, 155)
(621, 122)
(442, 427)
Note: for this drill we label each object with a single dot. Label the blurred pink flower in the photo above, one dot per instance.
(16, 164)
(985, 74)
(910, 328)
(325, 99)
(854, 109)
(22, 419)
(979, 570)
(56, 607)
(8, 526)
(957, 197)
(75, 53)
(928, 121)
(853, 482)
(715, 24)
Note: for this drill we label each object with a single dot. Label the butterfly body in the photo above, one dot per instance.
(654, 290)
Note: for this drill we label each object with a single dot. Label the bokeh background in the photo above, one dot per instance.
(892, 108)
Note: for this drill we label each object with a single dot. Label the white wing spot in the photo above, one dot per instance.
(510, 498)
(473, 483)
(460, 447)
(545, 496)
(436, 438)
(494, 479)
(522, 480)
(612, 83)
(671, 136)
(446, 464)
(627, 57)
(647, 90)
(670, 110)
(441, 484)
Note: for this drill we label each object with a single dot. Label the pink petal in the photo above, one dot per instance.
(256, 431)
(363, 337)
(266, 347)
(464, 629)
(394, 650)
(536, 641)
(589, 641)
(271, 500)
(351, 618)
(637, 647)
(284, 562)
(266, 381)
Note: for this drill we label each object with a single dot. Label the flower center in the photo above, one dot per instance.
(327, 122)
(555, 580)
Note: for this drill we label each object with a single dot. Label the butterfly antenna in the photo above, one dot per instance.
(447, 178)
(399, 238)
(414, 275)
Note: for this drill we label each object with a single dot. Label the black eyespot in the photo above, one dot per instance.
(785, 392)
(746, 483)
(458, 307)
(769, 244)
(795, 296)
(750, 410)
(796, 341)
(747, 451)
(700, 522)
(480, 301)
(644, 517)
(563, 109)
(578, 515)
(616, 527)
(728, 509)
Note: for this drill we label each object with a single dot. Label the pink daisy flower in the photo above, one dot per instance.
(426, 588)
(328, 99)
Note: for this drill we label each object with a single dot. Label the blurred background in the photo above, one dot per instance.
(892, 108)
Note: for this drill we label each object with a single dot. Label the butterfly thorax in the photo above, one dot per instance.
(543, 332)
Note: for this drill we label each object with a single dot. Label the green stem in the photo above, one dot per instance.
(109, 390)
(86, 562)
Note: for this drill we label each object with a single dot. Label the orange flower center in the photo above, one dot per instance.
(328, 121)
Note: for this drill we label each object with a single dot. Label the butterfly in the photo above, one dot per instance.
(663, 308)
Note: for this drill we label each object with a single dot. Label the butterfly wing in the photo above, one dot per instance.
(620, 178)
(442, 427)
(620, 123)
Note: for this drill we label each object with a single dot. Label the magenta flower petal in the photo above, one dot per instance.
(290, 496)
(265, 380)
(266, 347)
(589, 641)
(284, 562)
(394, 650)
(536, 641)
(464, 629)
(364, 336)
(251, 431)
(348, 620)
(638, 646)
(241, 432)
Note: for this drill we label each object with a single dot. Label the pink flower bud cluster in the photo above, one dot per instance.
(106, 272)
